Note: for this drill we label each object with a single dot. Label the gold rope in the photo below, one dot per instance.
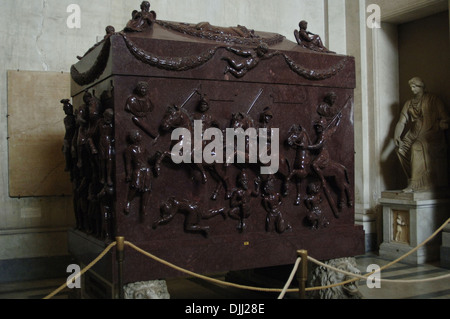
(217, 281)
(83, 270)
(381, 280)
(220, 282)
(381, 268)
(291, 277)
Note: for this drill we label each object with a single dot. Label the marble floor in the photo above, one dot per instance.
(193, 288)
(435, 289)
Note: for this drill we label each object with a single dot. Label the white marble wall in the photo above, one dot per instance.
(36, 38)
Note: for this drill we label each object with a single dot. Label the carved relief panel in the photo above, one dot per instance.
(307, 121)
(278, 202)
(222, 136)
(400, 226)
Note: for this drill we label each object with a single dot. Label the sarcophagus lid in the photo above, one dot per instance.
(173, 49)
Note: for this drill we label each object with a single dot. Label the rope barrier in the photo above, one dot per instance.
(371, 273)
(107, 249)
(291, 277)
(416, 248)
(285, 288)
(355, 277)
(188, 272)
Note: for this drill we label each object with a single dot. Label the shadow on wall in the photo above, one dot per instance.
(391, 169)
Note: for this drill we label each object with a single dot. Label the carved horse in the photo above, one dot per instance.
(298, 139)
(244, 121)
(322, 165)
(325, 167)
(176, 117)
(338, 172)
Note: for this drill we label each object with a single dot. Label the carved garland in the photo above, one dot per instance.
(191, 62)
(187, 63)
(96, 70)
(316, 75)
(169, 63)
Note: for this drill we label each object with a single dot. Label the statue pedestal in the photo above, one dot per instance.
(409, 219)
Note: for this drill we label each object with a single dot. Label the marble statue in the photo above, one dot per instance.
(420, 140)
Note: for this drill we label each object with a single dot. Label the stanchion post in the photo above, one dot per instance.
(302, 273)
(120, 240)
